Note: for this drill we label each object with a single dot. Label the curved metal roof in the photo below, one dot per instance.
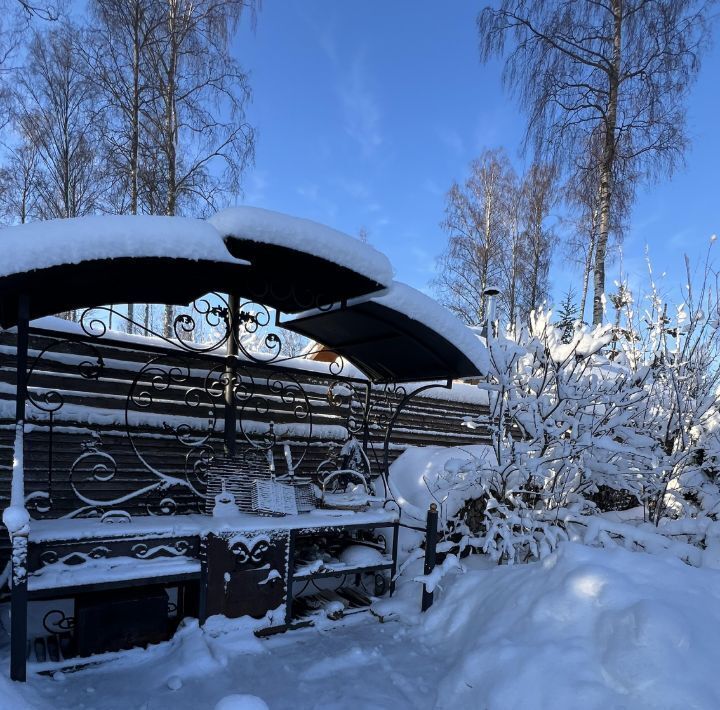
(403, 336)
(340, 289)
(68, 264)
(299, 264)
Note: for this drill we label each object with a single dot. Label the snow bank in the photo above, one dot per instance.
(17, 696)
(585, 628)
(40, 245)
(416, 305)
(266, 226)
(435, 474)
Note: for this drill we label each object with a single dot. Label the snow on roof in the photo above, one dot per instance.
(268, 227)
(40, 245)
(420, 307)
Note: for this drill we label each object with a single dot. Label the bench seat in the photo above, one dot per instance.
(69, 556)
(111, 572)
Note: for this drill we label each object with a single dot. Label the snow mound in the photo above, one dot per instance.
(41, 245)
(174, 682)
(585, 628)
(361, 555)
(242, 702)
(435, 474)
(17, 696)
(269, 227)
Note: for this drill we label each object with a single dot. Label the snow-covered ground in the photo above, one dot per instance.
(585, 628)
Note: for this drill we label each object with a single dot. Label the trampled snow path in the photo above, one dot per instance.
(355, 664)
(585, 628)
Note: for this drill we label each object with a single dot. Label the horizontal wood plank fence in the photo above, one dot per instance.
(108, 417)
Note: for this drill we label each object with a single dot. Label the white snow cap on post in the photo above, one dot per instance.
(41, 245)
(304, 235)
(15, 517)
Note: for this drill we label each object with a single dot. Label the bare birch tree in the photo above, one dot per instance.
(18, 184)
(538, 195)
(199, 117)
(581, 195)
(198, 121)
(15, 19)
(617, 68)
(512, 261)
(117, 56)
(497, 236)
(120, 36)
(55, 111)
(476, 223)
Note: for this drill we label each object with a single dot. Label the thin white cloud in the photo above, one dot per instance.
(424, 262)
(317, 204)
(257, 184)
(432, 187)
(360, 108)
(311, 192)
(322, 27)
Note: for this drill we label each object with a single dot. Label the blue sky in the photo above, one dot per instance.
(368, 111)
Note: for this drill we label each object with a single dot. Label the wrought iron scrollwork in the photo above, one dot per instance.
(203, 327)
(176, 548)
(253, 334)
(51, 400)
(353, 398)
(57, 621)
(272, 410)
(179, 395)
(384, 406)
(75, 558)
(161, 385)
(94, 466)
(248, 551)
(87, 362)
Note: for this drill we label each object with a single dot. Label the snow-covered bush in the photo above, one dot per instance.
(623, 416)
(562, 420)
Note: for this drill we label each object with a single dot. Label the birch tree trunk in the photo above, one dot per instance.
(606, 167)
(171, 133)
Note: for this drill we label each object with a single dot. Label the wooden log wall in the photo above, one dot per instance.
(176, 400)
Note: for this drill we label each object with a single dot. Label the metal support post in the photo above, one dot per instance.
(431, 535)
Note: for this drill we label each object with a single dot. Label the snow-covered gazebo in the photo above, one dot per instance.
(204, 475)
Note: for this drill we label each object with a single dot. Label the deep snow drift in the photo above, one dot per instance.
(586, 628)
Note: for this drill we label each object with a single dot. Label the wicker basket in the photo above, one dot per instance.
(238, 475)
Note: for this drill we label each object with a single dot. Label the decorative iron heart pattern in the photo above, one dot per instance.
(254, 550)
(254, 556)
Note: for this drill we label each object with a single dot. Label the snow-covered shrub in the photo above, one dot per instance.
(563, 427)
(622, 416)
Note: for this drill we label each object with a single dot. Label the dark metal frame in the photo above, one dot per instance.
(368, 408)
(19, 540)
(291, 578)
(227, 382)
